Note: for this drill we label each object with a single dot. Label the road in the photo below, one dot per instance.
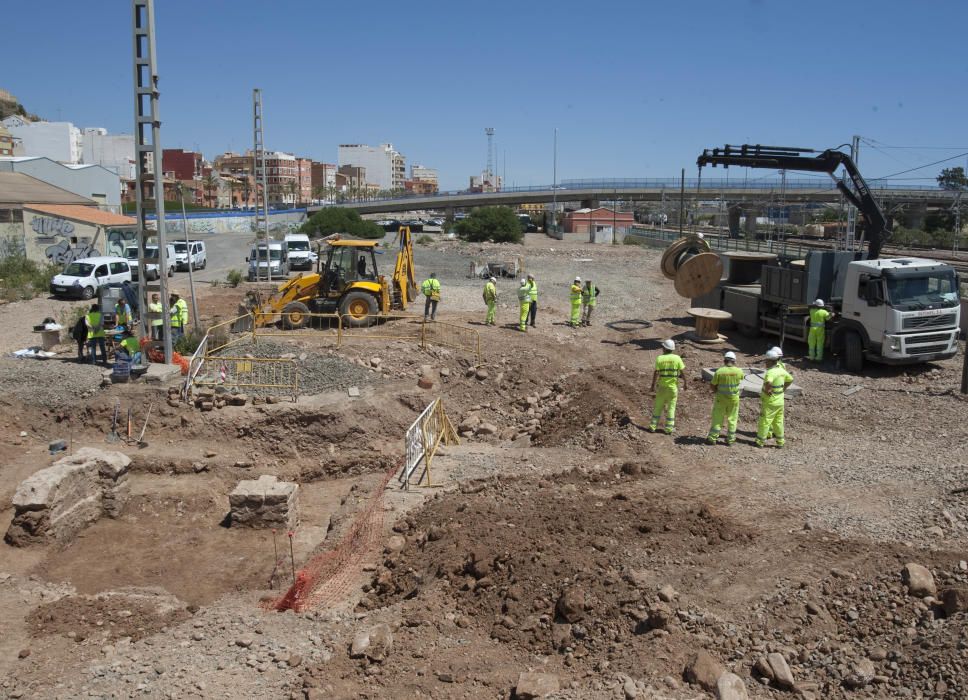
(225, 252)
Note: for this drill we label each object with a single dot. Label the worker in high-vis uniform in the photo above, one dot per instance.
(94, 320)
(574, 296)
(819, 315)
(157, 323)
(431, 291)
(589, 297)
(524, 301)
(122, 314)
(178, 310)
(490, 299)
(669, 367)
(725, 384)
(533, 308)
(775, 383)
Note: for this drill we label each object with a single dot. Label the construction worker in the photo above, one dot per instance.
(431, 292)
(490, 298)
(178, 309)
(574, 296)
(157, 324)
(122, 314)
(725, 385)
(669, 367)
(524, 300)
(94, 320)
(533, 309)
(131, 347)
(589, 295)
(818, 330)
(775, 383)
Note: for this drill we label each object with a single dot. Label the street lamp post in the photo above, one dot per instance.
(554, 186)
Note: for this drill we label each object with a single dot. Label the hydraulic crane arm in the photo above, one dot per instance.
(781, 158)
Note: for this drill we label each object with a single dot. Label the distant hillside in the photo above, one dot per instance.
(9, 105)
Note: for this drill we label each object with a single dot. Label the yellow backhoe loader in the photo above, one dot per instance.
(346, 281)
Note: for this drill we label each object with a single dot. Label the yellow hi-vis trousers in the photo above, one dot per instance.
(771, 422)
(665, 400)
(525, 307)
(815, 340)
(725, 410)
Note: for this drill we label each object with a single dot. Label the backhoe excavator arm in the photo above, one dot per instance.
(781, 158)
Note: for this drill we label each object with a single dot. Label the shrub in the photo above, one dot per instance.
(187, 344)
(498, 224)
(21, 278)
(234, 278)
(340, 220)
(425, 240)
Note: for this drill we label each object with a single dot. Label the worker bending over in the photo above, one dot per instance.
(818, 330)
(574, 296)
(130, 347)
(589, 296)
(122, 314)
(775, 383)
(524, 300)
(725, 385)
(431, 291)
(533, 308)
(490, 298)
(665, 384)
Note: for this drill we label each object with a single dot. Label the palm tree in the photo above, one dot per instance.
(210, 183)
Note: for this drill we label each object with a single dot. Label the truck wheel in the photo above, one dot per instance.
(87, 293)
(358, 309)
(853, 353)
(295, 315)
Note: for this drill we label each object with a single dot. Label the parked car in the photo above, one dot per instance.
(85, 276)
(151, 268)
(278, 261)
(197, 259)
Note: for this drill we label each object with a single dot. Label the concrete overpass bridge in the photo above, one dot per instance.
(590, 192)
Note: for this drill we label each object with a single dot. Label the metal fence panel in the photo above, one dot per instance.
(423, 437)
(251, 373)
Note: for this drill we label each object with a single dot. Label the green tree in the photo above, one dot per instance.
(340, 220)
(953, 179)
(210, 183)
(498, 224)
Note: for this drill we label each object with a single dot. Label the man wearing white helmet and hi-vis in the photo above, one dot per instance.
(775, 383)
(725, 384)
(669, 367)
(490, 299)
(574, 296)
(818, 330)
(524, 299)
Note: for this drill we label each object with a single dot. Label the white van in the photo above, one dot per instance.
(85, 276)
(151, 253)
(197, 259)
(301, 255)
(278, 261)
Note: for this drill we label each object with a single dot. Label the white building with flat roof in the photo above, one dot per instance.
(112, 151)
(386, 168)
(90, 181)
(59, 141)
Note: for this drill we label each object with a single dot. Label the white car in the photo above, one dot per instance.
(197, 259)
(151, 253)
(85, 276)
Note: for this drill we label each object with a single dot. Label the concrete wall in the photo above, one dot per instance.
(229, 222)
(58, 241)
(93, 181)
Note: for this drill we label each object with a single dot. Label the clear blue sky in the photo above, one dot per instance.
(636, 88)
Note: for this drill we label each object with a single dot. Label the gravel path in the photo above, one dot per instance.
(49, 383)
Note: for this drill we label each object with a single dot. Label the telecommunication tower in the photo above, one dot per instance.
(259, 176)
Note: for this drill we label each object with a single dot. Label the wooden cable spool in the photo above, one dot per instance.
(698, 275)
(679, 251)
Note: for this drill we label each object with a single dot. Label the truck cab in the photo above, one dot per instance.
(899, 311)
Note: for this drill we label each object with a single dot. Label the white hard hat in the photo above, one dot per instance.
(577, 279)
(772, 354)
(729, 355)
(669, 344)
(494, 279)
(700, 236)
(777, 350)
(523, 281)
(818, 302)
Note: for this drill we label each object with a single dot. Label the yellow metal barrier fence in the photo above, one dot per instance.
(404, 327)
(422, 439)
(266, 325)
(251, 373)
(453, 336)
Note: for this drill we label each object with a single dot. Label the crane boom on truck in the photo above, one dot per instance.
(900, 310)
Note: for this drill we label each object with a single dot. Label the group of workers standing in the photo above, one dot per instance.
(90, 331)
(725, 383)
(583, 299)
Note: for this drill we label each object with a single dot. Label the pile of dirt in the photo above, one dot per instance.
(50, 384)
(133, 613)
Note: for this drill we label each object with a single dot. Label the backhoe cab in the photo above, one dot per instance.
(347, 281)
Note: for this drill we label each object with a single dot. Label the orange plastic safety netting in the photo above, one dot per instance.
(327, 578)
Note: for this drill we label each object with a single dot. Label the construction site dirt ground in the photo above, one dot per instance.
(562, 538)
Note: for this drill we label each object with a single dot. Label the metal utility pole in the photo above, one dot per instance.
(188, 247)
(259, 174)
(554, 186)
(490, 156)
(849, 242)
(682, 198)
(148, 156)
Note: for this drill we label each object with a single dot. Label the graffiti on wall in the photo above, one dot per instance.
(64, 252)
(68, 248)
(118, 241)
